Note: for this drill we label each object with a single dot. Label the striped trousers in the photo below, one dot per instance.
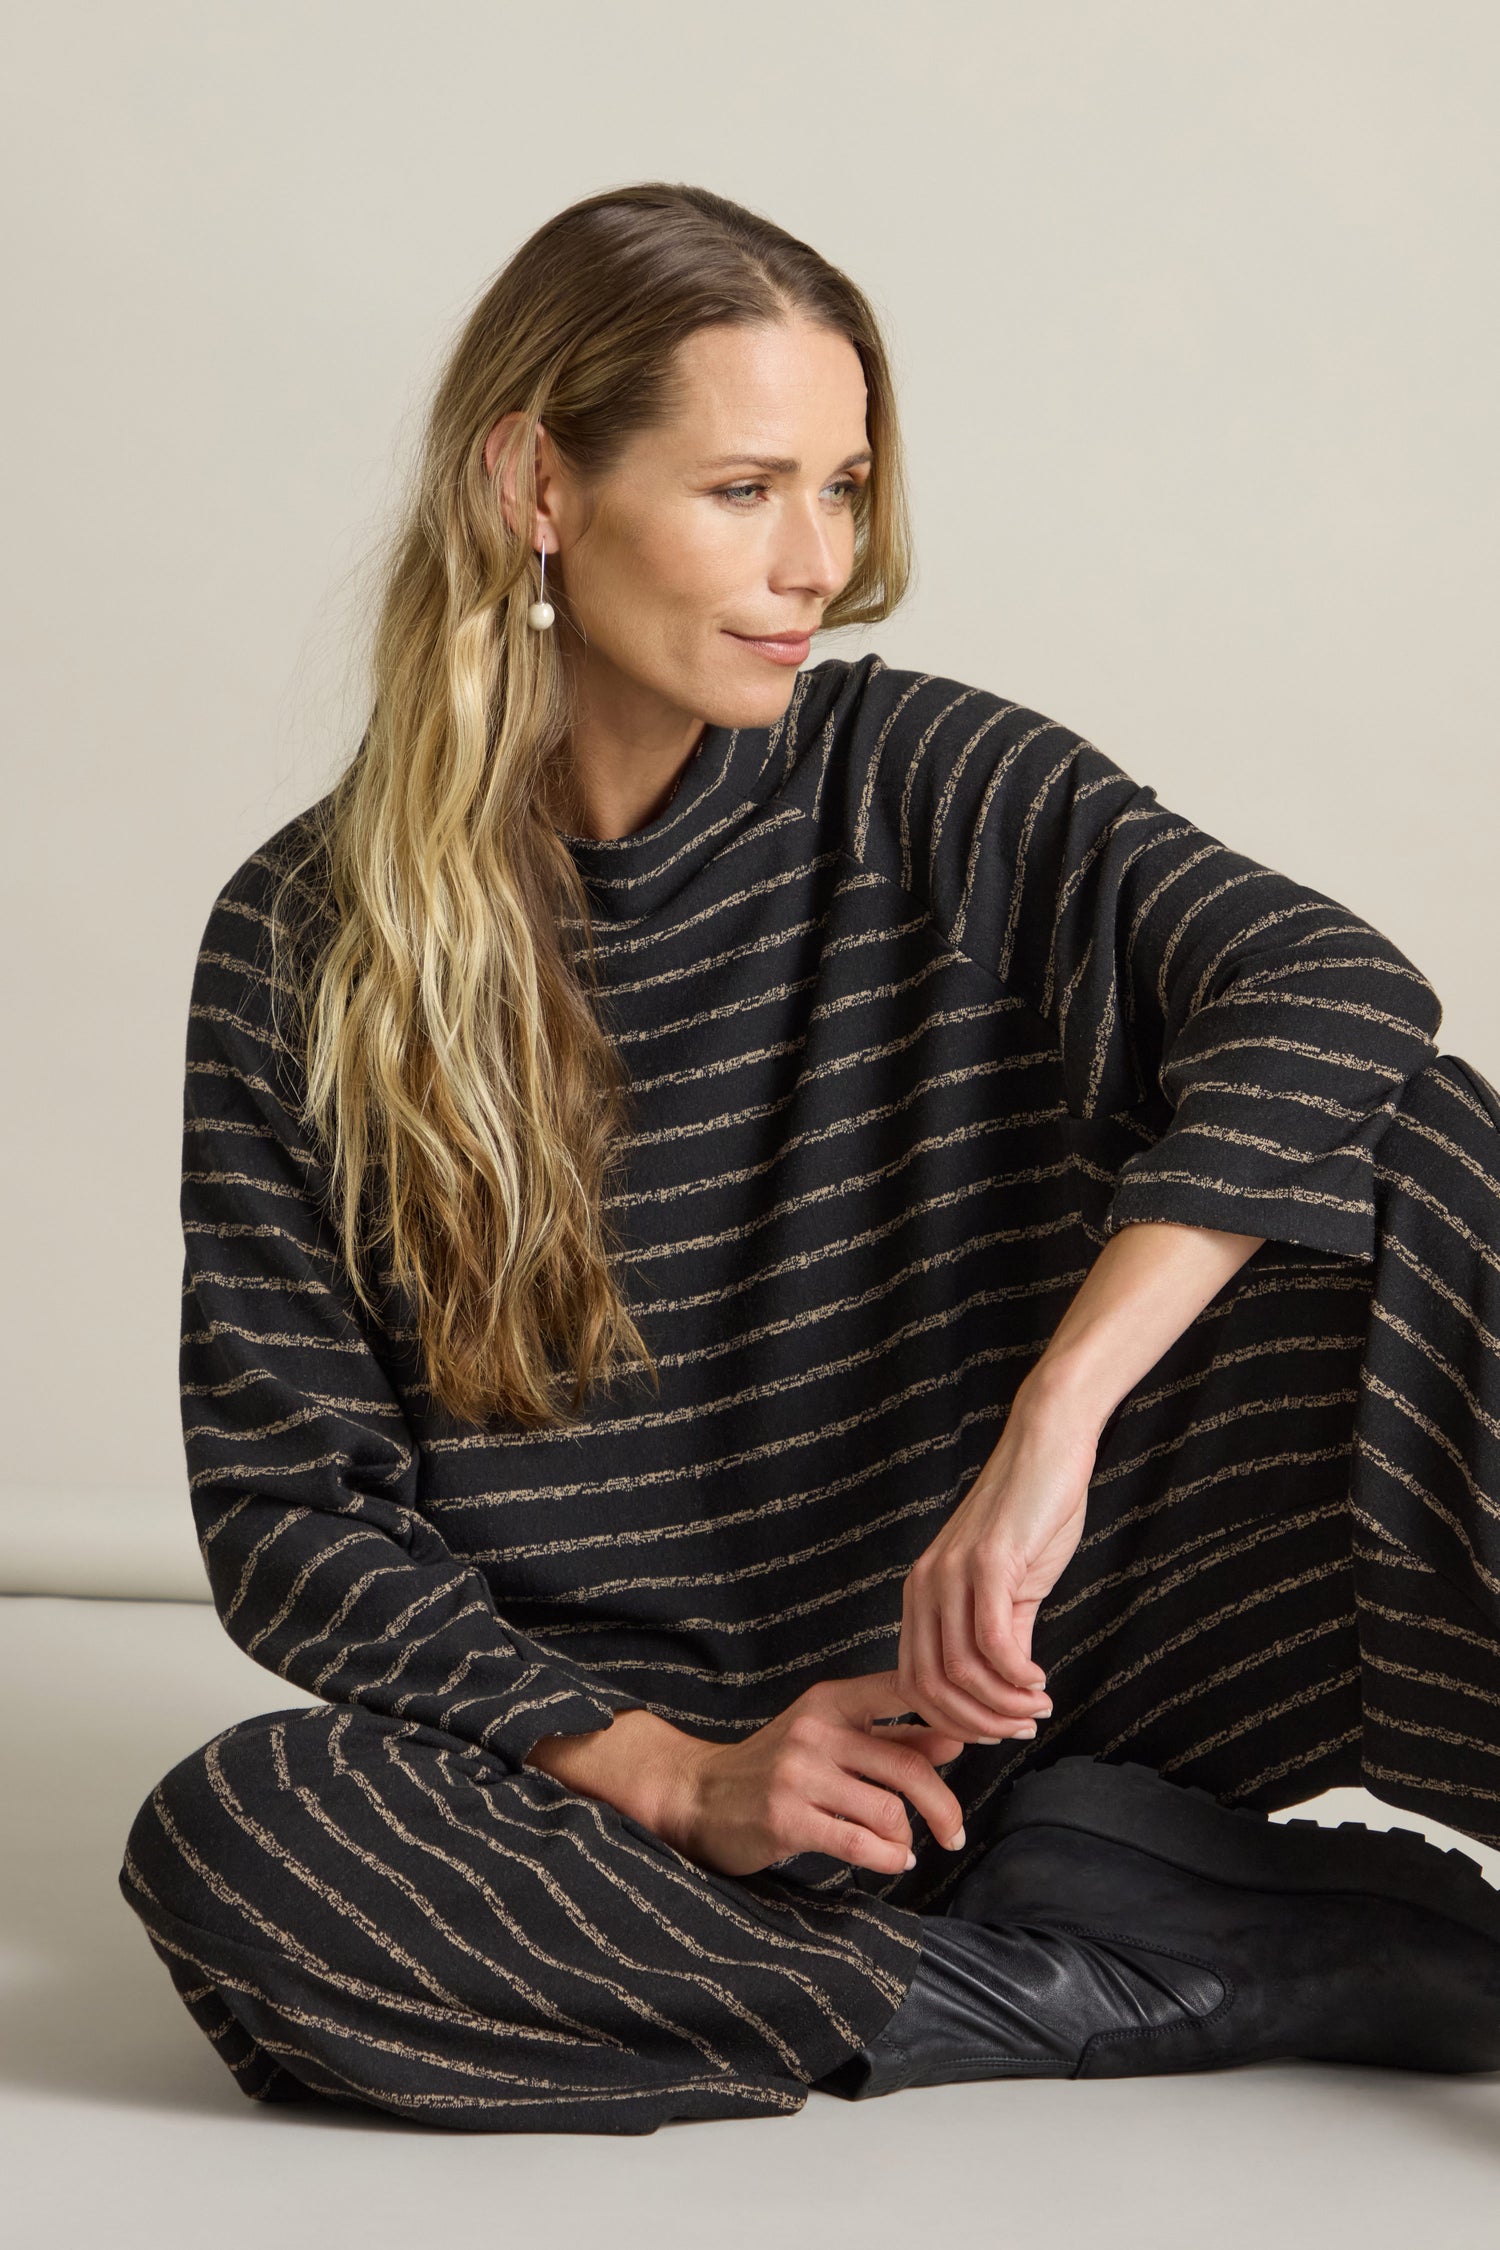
(1289, 1580)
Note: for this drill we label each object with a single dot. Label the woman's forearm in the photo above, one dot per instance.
(1148, 1284)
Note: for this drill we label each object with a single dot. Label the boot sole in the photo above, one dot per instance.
(1234, 1844)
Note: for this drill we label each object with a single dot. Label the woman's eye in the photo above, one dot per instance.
(849, 486)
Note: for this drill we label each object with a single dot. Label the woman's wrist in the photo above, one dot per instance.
(1072, 1390)
(641, 1764)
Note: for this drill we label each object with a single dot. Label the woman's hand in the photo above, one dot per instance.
(821, 1777)
(970, 1599)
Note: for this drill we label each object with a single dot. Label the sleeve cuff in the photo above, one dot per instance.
(1329, 1208)
(525, 1719)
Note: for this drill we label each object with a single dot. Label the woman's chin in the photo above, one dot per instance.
(757, 701)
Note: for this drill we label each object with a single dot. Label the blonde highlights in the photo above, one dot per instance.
(468, 1106)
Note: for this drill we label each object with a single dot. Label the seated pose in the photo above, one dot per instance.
(840, 1348)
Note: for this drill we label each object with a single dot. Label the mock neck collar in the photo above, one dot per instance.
(731, 772)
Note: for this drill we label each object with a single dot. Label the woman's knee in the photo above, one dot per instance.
(1437, 1165)
(192, 1835)
(1474, 1081)
(1451, 1094)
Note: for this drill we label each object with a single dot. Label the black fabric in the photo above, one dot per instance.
(922, 998)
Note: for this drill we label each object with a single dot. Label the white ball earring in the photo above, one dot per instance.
(541, 613)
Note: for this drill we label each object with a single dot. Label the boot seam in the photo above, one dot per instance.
(1100, 2039)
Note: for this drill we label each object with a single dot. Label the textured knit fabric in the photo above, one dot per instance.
(922, 998)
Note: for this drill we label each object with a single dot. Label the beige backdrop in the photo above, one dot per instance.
(1194, 313)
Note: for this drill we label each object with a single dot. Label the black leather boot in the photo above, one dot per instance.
(1015, 2001)
(1347, 1944)
(1121, 1925)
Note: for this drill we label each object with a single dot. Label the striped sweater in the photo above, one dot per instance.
(922, 998)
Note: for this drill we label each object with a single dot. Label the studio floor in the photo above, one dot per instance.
(119, 2125)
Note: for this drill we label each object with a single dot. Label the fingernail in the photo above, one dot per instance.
(1024, 1734)
(989, 1738)
(911, 1859)
(956, 1840)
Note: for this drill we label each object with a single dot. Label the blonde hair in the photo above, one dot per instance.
(467, 1103)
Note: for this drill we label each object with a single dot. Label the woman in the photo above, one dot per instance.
(712, 1191)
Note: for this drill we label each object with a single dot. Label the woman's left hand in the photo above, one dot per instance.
(970, 1599)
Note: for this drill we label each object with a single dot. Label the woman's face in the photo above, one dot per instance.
(732, 522)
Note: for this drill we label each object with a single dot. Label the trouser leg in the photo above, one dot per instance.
(363, 1910)
(1425, 1472)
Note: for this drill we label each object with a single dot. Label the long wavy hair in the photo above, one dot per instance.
(468, 1105)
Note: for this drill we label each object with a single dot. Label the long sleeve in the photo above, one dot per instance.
(302, 1465)
(1259, 1030)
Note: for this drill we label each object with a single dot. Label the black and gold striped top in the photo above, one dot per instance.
(922, 997)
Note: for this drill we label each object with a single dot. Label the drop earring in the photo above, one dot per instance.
(541, 612)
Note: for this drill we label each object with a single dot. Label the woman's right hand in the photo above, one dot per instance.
(821, 1777)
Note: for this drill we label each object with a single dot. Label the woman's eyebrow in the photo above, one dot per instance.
(777, 467)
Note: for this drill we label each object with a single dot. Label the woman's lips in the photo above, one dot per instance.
(781, 648)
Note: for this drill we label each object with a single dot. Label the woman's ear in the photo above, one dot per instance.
(494, 445)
